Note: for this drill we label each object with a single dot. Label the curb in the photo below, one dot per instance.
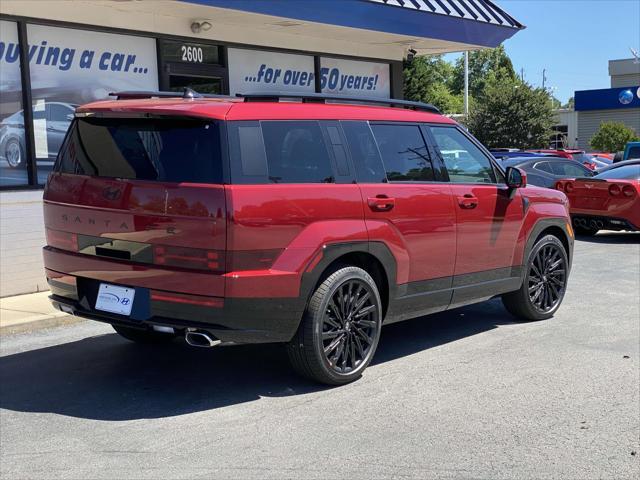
(39, 323)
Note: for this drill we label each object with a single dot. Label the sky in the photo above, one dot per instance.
(572, 39)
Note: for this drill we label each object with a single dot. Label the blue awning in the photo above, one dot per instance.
(478, 10)
(462, 24)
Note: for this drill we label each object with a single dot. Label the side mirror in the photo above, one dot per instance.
(69, 117)
(516, 178)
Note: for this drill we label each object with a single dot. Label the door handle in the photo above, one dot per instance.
(381, 203)
(468, 202)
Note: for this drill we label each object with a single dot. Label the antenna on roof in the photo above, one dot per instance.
(634, 52)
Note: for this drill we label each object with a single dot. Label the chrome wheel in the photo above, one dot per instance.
(13, 154)
(350, 326)
(547, 278)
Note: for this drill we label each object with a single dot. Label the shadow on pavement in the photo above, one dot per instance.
(108, 378)
(619, 238)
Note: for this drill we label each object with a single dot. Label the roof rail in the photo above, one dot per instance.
(323, 98)
(186, 93)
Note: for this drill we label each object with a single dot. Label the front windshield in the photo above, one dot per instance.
(626, 172)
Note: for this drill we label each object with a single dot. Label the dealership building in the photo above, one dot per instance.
(58, 54)
(618, 103)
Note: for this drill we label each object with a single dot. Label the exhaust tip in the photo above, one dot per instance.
(201, 339)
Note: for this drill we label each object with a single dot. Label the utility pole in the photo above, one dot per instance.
(522, 74)
(544, 78)
(466, 83)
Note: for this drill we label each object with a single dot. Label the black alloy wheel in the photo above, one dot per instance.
(349, 326)
(340, 329)
(547, 278)
(544, 283)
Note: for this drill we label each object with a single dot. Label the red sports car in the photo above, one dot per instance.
(607, 201)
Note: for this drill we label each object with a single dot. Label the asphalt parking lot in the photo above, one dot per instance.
(464, 394)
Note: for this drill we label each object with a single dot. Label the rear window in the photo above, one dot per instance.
(167, 150)
(626, 172)
(281, 152)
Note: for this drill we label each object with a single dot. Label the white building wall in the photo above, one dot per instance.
(569, 118)
(21, 241)
(589, 122)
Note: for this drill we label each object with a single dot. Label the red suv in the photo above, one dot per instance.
(251, 220)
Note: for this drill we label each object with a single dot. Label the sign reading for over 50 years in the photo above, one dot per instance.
(264, 71)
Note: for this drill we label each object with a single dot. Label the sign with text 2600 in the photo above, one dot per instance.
(354, 78)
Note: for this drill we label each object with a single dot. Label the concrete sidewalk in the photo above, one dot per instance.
(30, 312)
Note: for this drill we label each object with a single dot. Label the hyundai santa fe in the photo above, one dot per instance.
(306, 222)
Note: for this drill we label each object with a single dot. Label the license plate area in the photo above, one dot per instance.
(115, 299)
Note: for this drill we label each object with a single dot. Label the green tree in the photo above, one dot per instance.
(570, 103)
(511, 113)
(428, 79)
(612, 137)
(482, 63)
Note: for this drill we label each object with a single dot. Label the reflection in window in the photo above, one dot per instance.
(404, 153)
(464, 161)
(296, 153)
(13, 159)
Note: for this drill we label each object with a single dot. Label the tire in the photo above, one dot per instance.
(544, 283)
(336, 340)
(14, 154)
(585, 232)
(143, 336)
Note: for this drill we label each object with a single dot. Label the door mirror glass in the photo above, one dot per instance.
(516, 178)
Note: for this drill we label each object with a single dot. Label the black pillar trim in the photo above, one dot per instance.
(27, 106)
(316, 74)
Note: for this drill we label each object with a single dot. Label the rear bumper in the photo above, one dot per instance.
(603, 223)
(241, 320)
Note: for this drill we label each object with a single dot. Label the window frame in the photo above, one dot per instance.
(496, 169)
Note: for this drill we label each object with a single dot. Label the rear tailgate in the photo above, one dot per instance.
(139, 203)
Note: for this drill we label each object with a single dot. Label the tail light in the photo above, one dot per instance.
(615, 190)
(188, 258)
(568, 187)
(62, 240)
(628, 191)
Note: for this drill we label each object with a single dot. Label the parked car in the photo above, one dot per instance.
(504, 153)
(251, 220)
(544, 172)
(577, 155)
(57, 117)
(610, 200)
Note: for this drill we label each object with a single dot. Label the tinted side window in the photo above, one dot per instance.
(296, 152)
(404, 152)
(464, 161)
(543, 166)
(364, 152)
(279, 152)
(567, 169)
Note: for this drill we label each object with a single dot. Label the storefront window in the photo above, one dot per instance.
(13, 159)
(71, 67)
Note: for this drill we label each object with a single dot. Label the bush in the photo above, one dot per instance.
(612, 137)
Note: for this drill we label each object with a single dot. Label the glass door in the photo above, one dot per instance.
(198, 66)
